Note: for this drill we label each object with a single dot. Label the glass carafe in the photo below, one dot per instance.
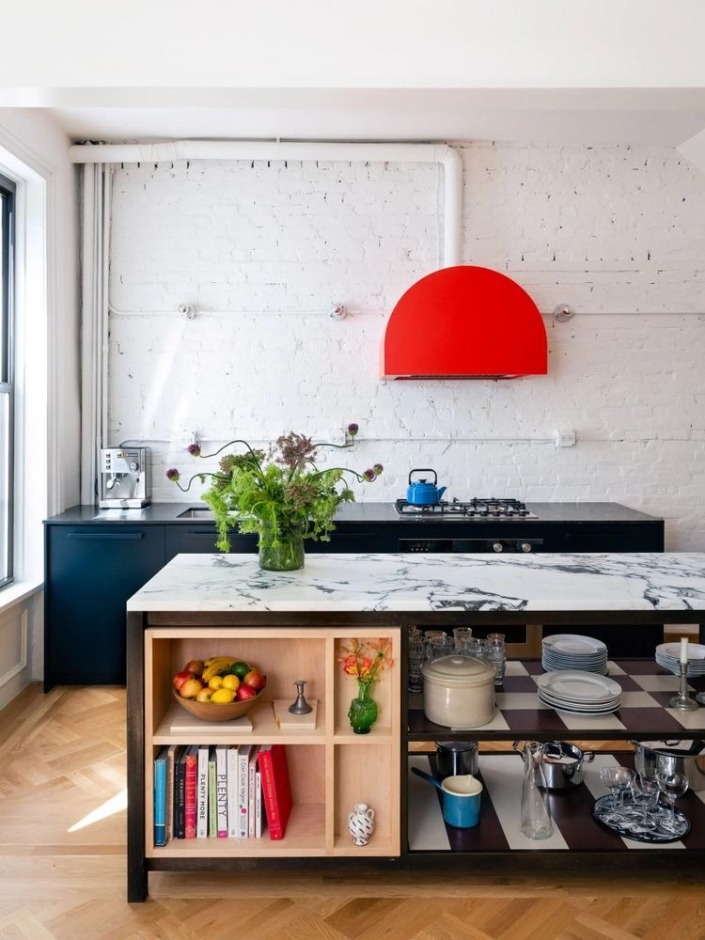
(536, 822)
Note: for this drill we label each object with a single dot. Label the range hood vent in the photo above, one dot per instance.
(464, 322)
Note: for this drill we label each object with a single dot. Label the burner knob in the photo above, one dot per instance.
(524, 546)
(497, 547)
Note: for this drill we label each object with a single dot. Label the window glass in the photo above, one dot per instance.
(7, 221)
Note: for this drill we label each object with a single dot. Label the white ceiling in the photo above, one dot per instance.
(587, 71)
(663, 117)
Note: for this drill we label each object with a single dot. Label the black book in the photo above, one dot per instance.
(180, 796)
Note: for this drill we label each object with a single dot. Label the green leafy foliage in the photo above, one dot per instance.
(277, 496)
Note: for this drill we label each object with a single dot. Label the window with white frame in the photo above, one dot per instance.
(7, 242)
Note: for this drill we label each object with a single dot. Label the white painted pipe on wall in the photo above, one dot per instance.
(441, 154)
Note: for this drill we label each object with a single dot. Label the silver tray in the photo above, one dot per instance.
(631, 828)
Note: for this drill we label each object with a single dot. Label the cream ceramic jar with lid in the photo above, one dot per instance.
(459, 692)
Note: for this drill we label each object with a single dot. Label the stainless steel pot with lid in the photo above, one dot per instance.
(666, 756)
(563, 765)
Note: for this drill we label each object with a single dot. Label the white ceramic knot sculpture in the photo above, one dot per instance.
(361, 823)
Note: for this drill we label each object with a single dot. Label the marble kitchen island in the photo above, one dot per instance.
(196, 601)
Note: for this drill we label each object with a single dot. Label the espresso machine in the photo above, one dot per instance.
(123, 480)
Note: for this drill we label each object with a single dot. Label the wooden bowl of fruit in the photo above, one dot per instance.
(218, 689)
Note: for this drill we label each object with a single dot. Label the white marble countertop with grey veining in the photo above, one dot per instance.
(430, 582)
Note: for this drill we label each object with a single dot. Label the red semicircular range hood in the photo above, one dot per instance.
(464, 322)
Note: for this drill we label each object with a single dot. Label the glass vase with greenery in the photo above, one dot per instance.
(281, 495)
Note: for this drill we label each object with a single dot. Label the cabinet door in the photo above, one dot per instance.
(611, 537)
(200, 539)
(350, 537)
(90, 573)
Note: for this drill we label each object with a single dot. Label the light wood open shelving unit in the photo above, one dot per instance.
(331, 768)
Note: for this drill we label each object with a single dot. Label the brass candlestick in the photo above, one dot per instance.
(683, 700)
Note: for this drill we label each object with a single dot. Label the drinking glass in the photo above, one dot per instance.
(417, 654)
(442, 646)
(461, 635)
(645, 791)
(497, 656)
(672, 785)
(480, 649)
(616, 779)
(429, 637)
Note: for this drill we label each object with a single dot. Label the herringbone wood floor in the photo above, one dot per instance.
(62, 757)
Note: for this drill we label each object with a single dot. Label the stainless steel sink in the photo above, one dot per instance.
(197, 512)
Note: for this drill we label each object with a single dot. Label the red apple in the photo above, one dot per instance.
(191, 687)
(255, 679)
(245, 692)
(195, 666)
(181, 677)
(204, 695)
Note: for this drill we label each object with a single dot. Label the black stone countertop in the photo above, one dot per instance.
(367, 512)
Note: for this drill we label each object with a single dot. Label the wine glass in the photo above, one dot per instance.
(672, 785)
(645, 791)
(616, 778)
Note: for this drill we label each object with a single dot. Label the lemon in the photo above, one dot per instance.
(223, 696)
(240, 669)
(215, 682)
(231, 682)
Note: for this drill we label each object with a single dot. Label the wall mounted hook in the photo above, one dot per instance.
(338, 312)
(563, 312)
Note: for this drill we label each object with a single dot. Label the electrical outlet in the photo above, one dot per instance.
(565, 437)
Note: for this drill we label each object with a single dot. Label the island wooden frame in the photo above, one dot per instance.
(139, 865)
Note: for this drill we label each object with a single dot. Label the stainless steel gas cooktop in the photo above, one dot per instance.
(485, 509)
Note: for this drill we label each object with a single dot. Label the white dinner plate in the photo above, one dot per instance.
(587, 712)
(572, 644)
(673, 650)
(557, 702)
(581, 687)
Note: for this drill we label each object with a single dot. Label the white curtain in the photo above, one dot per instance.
(95, 250)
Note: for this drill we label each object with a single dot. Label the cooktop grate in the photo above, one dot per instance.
(473, 509)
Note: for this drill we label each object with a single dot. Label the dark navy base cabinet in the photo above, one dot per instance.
(90, 573)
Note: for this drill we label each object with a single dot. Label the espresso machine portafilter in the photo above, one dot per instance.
(123, 478)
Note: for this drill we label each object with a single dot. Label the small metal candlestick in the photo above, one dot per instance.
(683, 699)
(300, 706)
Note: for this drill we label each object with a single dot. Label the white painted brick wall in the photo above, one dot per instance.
(263, 250)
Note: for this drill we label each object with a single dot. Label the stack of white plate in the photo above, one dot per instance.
(668, 656)
(570, 651)
(583, 693)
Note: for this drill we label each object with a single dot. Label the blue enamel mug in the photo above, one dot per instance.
(461, 800)
(461, 796)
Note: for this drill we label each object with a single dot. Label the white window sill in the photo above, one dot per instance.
(18, 591)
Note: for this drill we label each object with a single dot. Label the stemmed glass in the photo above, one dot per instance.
(672, 785)
(616, 779)
(645, 790)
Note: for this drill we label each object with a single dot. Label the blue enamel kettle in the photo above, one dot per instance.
(421, 492)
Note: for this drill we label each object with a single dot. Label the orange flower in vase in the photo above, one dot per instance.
(365, 661)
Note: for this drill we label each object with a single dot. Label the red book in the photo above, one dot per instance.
(190, 776)
(276, 788)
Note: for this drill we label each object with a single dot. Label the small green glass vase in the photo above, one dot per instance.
(283, 552)
(363, 708)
